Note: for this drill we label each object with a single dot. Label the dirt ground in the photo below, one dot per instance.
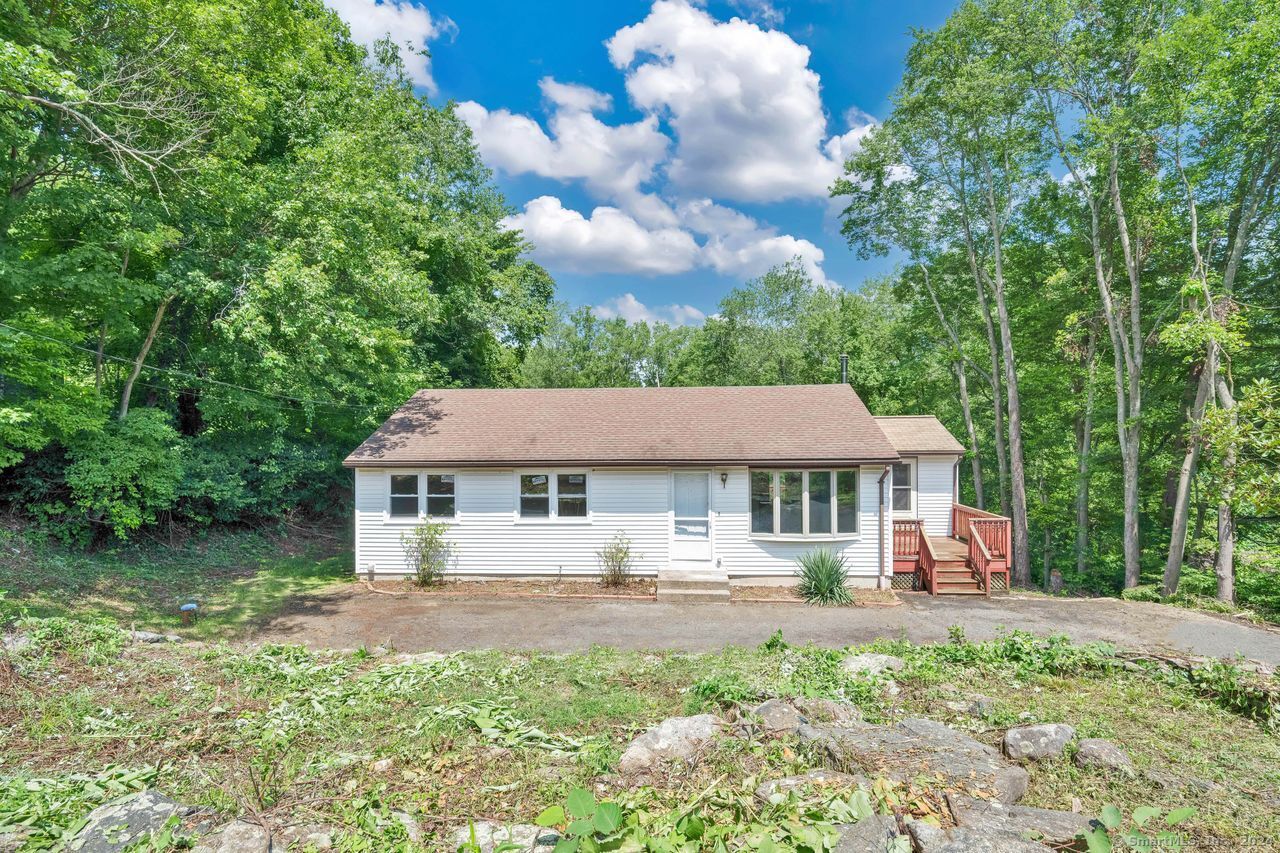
(352, 616)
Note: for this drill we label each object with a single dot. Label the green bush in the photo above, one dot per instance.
(126, 475)
(823, 576)
(427, 552)
(616, 560)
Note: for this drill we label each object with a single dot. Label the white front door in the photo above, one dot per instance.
(691, 515)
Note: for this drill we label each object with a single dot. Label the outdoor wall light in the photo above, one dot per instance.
(724, 479)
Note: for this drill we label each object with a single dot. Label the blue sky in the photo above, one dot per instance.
(660, 153)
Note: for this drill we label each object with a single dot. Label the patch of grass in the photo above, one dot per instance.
(238, 579)
(291, 733)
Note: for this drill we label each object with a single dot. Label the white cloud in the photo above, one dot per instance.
(614, 161)
(405, 22)
(760, 11)
(633, 310)
(610, 241)
(742, 100)
(737, 245)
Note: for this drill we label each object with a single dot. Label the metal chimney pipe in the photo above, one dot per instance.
(844, 369)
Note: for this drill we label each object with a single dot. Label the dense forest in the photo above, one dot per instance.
(232, 241)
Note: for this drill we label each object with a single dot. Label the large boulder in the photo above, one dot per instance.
(960, 839)
(875, 834)
(116, 825)
(1048, 825)
(870, 663)
(918, 747)
(1096, 752)
(813, 780)
(488, 836)
(1034, 743)
(673, 738)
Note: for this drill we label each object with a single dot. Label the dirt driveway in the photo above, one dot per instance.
(351, 617)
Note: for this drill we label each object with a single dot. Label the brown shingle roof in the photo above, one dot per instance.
(918, 434)
(788, 424)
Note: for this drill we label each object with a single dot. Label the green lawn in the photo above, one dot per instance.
(238, 579)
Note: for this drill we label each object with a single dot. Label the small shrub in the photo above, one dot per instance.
(823, 576)
(616, 560)
(427, 552)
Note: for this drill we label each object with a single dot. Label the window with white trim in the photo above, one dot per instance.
(440, 496)
(553, 494)
(818, 503)
(404, 496)
(903, 475)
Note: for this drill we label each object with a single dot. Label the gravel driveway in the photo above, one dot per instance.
(351, 616)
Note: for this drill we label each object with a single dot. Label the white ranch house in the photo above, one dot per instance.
(734, 482)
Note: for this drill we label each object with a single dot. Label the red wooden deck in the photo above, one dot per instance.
(974, 560)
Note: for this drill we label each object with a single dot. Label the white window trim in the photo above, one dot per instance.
(914, 468)
(774, 491)
(553, 497)
(421, 474)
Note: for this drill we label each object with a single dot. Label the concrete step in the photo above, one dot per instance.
(693, 582)
(694, 596)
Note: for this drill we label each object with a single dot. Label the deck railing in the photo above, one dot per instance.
(928, 563)
(988, 536)
(906, 538)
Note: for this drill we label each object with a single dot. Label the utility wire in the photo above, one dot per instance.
(193, 377)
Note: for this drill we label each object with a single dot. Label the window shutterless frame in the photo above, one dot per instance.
(809, 503)
(403, 496)
(552, 495)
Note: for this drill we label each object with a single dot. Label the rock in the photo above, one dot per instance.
(1033, 743)
(152, 637)
(960, 839)
(421, 658)
(306, 836)
(410, 824)
(1203, 786)
(120, 823)
(239, 836)
(677, 737)
(827, 711)
(772, 718)
(1096, 752)
(1048, 825)
(12, 840)
(870, 663)
(488, 836)
(824, 779)
(981, 707)
(1162, 778)
(15, 643)
(874, 834)
(917, 747)
(383, 765)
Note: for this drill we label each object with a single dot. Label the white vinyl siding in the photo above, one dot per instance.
(490, 538)
(934, 479)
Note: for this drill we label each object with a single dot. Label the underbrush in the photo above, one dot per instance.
(351, 738)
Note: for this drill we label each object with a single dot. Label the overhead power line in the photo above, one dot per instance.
(363, 407)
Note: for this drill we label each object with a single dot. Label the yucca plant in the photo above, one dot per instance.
(822, 578)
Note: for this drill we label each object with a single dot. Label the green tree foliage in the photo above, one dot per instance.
(232, 221)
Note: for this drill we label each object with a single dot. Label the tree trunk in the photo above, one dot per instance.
(997, 390)
(97, 359)
(142, 357)
(1084, 450)
(1182, 499)
(1224, 566)
(975, 458)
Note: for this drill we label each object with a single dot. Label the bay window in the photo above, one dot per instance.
(819, 503)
